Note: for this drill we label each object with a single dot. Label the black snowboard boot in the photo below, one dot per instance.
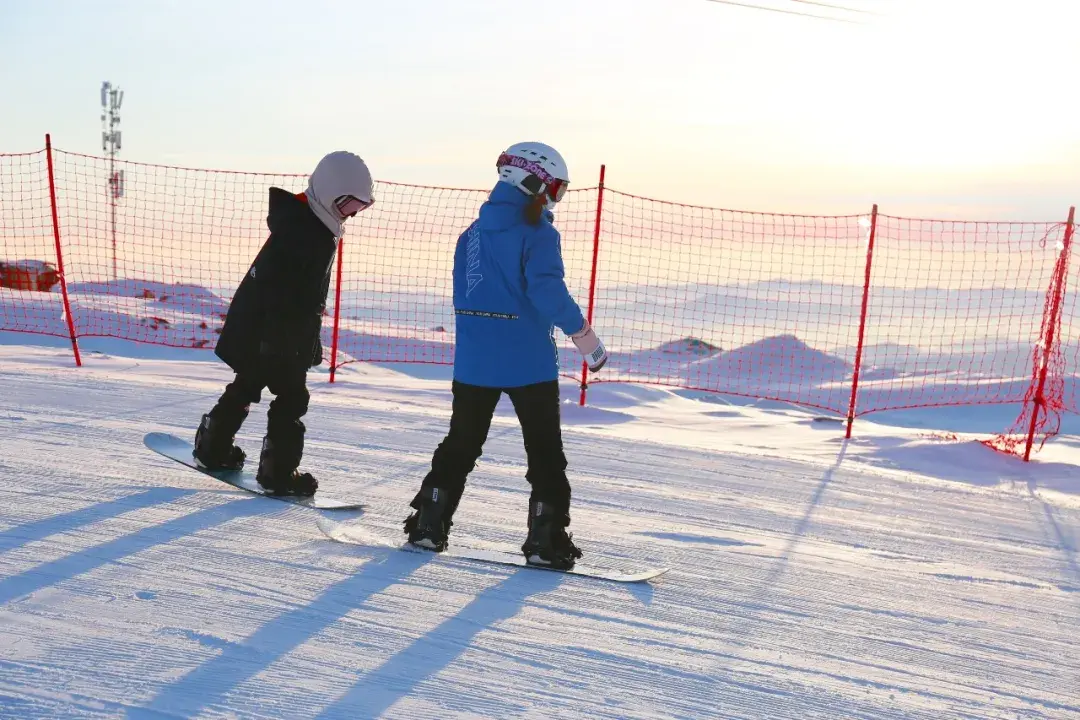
(548, 542)
(214, 442)
(277, 470)
(429, 526)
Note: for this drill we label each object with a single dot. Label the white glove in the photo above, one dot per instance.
(590, 346)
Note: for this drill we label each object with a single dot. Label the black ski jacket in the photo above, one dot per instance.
(276, 312)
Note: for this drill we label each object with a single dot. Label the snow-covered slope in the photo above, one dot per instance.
(909, 573)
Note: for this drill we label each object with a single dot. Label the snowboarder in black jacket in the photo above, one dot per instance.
(271, 332)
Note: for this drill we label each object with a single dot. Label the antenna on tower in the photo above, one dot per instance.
(111, 100)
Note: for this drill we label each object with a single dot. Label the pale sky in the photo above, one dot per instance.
(940, 108)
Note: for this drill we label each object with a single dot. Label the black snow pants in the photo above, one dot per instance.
(537, 408)
(288, 384)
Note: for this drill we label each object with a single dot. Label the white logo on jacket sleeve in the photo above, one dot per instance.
(472, 259)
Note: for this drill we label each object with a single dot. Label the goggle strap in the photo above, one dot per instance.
(528, 166)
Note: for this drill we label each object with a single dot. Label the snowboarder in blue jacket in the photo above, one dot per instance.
(509, 296)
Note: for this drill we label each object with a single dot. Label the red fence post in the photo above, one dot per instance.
(59, 253)
(862, 321)
(1047, 342)
(592, 281)
(337, 309)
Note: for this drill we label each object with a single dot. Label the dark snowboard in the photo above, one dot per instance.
(179, 450)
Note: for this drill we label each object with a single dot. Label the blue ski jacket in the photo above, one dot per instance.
(509, 296)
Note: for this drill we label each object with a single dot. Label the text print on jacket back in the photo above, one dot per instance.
(472, 256)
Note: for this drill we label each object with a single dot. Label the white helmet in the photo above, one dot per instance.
(537, 169)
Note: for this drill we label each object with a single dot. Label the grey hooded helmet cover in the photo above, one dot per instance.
(338, 173)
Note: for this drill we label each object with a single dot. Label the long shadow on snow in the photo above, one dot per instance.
(19, 535)
(78, 424)
(969, 462)
(84, 561)
(210, 682)
(804, 523)
(429, 654)
(1066, 544)
(754, 602)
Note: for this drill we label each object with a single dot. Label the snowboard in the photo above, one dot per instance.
(179, 450)
(356, 535)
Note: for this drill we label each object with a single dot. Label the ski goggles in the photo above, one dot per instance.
(540, 179)
(349, 205)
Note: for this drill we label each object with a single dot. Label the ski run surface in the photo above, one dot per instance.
(903, 574)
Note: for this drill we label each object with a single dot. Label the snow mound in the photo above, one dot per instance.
(181, 320)
(781, 359)
(678, 353)
(688, 346)
(37, 266)
(193, 299)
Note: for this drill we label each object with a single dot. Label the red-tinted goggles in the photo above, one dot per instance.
(349, 205)
(554, 187)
